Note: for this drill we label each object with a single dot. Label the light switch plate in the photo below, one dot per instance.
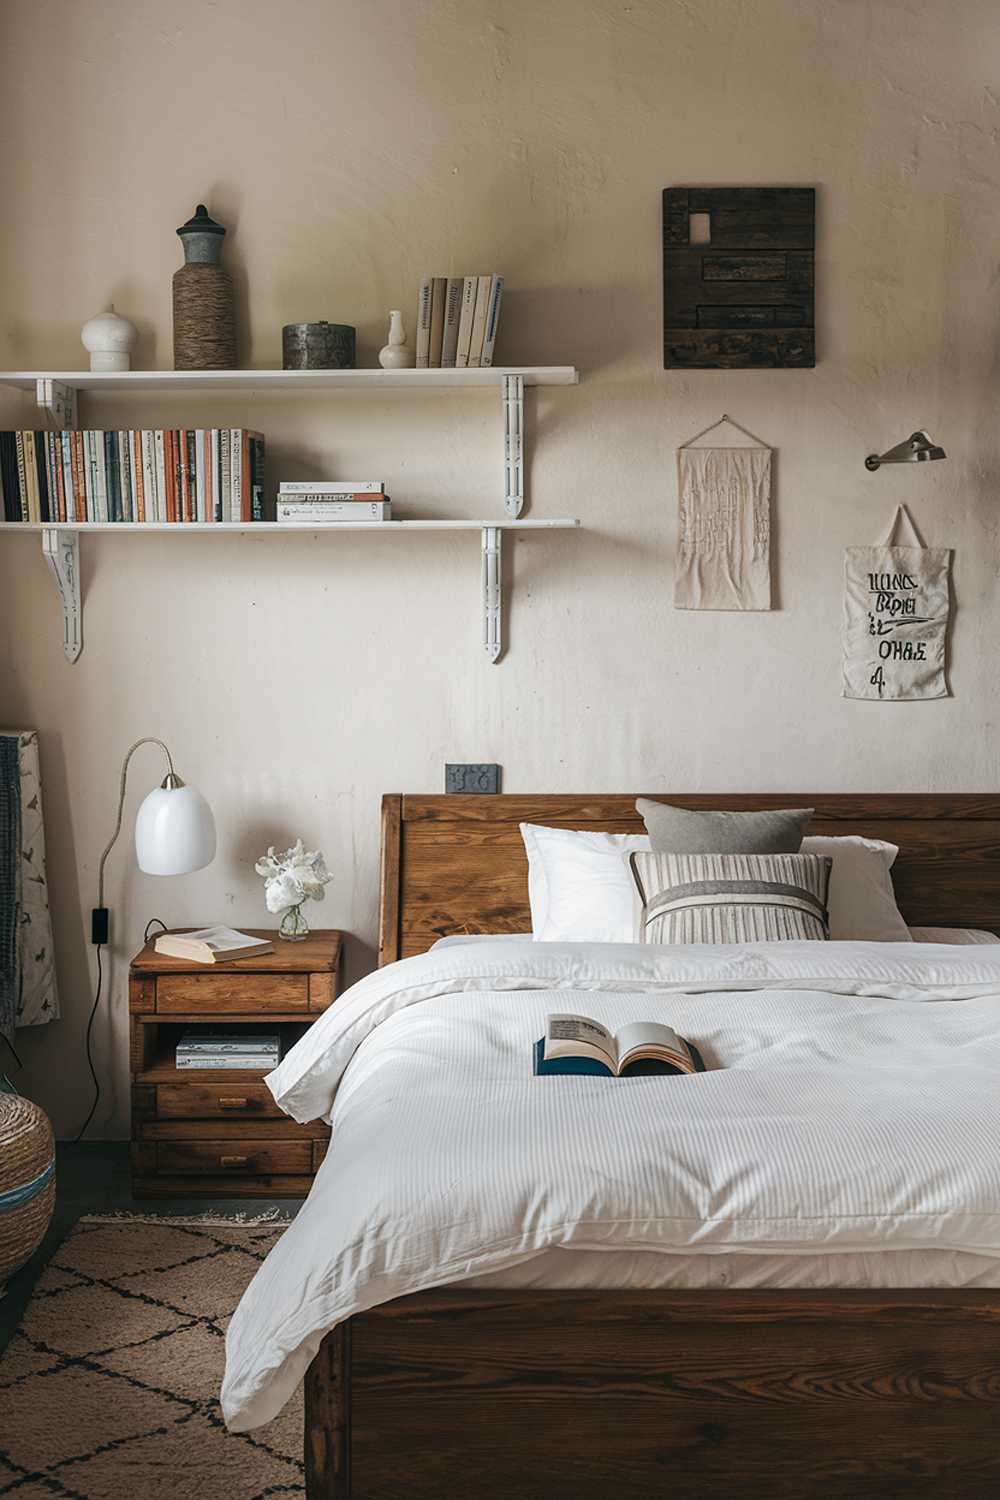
(472, 778)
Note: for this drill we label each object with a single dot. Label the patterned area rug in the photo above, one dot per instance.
(109, 1389)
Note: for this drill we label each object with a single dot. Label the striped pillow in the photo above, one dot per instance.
(732, 898)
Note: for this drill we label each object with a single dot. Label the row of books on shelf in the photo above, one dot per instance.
(147, 476)
(457, 319)
(323, 502)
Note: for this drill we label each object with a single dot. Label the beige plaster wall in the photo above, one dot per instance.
(352, 147)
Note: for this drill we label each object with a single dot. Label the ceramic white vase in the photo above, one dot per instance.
(109, 340)
(397, 354)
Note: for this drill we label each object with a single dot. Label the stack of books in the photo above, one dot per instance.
(457, 319)
(321, 502)
(164, 474)
(199, 1047)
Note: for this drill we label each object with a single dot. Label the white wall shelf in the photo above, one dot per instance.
(56, 393)
(291, 380)
(61, 549)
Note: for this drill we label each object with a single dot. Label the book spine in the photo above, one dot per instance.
(22, 479)
(346, 510)
(469, 285)
(127, 473)
(331, 487)
(424, 323)
(46, 477)
(492, 320)
(191, 463)
(250, 1064)
(100, 458)
(169, 477)
(201, 483)
(180, 474)
(80, 495)
(256, 476)
(226, 472)
(138, 478)
(246, 478)
(237, 476)
(113, 470)
(66, 468)
(57, 476)
(479, 321)
(439, 288)
(326, 497)
(34, 478)
(452, 318)
(8, 476)
(213, 466)
(112, 475)
(160, 463)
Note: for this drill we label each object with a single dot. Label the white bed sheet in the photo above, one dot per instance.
(853, 1111)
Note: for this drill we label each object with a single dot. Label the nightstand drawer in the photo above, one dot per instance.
(216, 1101)
(239, 1157)
(236, 994)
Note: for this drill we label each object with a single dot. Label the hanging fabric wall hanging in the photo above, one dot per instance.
(896, 601)
(724, 525)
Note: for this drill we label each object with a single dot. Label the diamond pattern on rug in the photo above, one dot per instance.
(110, 1387)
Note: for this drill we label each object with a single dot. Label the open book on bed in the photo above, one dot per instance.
(576, 1044)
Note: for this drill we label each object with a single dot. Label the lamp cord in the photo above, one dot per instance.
(149, 740)
(90, 1060)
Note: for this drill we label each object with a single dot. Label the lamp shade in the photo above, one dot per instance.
(174, 832)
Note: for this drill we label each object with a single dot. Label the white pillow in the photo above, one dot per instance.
(579, 885)
(962, 936)
(581, 890)
(861, 900)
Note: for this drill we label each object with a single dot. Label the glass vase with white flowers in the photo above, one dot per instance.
(290, 879)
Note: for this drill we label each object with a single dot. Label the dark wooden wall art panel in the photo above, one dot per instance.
(742, 298)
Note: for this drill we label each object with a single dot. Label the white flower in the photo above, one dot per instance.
(295, 876)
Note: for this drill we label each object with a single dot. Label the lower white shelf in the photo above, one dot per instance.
(61, 549)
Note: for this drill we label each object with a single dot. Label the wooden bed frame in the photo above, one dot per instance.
(625, 1396)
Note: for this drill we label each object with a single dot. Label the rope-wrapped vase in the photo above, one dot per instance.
(204, 320)
(27, 1181)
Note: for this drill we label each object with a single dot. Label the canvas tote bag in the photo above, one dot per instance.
(896, 601)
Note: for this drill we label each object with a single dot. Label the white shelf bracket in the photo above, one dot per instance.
(61, 550)
(492, 591)
(58, 403)
(512, 392)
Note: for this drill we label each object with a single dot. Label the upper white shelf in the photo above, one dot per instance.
(268, 528)
(166, 381)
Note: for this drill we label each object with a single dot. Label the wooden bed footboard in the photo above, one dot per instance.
(630, 1395)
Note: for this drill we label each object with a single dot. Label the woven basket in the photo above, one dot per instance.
(27, 1180)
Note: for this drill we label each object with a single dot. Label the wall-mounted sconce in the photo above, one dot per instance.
(917, 448)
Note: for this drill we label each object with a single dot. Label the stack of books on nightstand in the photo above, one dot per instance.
(257, 1051)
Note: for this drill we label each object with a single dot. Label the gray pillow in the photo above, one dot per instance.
(680, 830)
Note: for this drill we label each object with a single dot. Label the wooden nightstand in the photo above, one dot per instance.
(218, 1132)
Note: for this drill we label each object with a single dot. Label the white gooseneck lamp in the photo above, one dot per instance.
(174, 832)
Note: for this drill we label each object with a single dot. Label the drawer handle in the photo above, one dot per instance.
(234, 1103)
(234, 1161)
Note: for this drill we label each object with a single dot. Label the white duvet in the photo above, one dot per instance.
(853, 1106)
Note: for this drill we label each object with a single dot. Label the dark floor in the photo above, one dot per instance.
(93, 1178)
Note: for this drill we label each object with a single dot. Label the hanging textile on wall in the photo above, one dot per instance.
(724, 525)
(896, 601)
(28, 994)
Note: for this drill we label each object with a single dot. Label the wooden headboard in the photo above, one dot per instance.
(457, 864)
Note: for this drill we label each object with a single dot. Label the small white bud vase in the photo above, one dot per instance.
(397, 354)
(109, 340)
